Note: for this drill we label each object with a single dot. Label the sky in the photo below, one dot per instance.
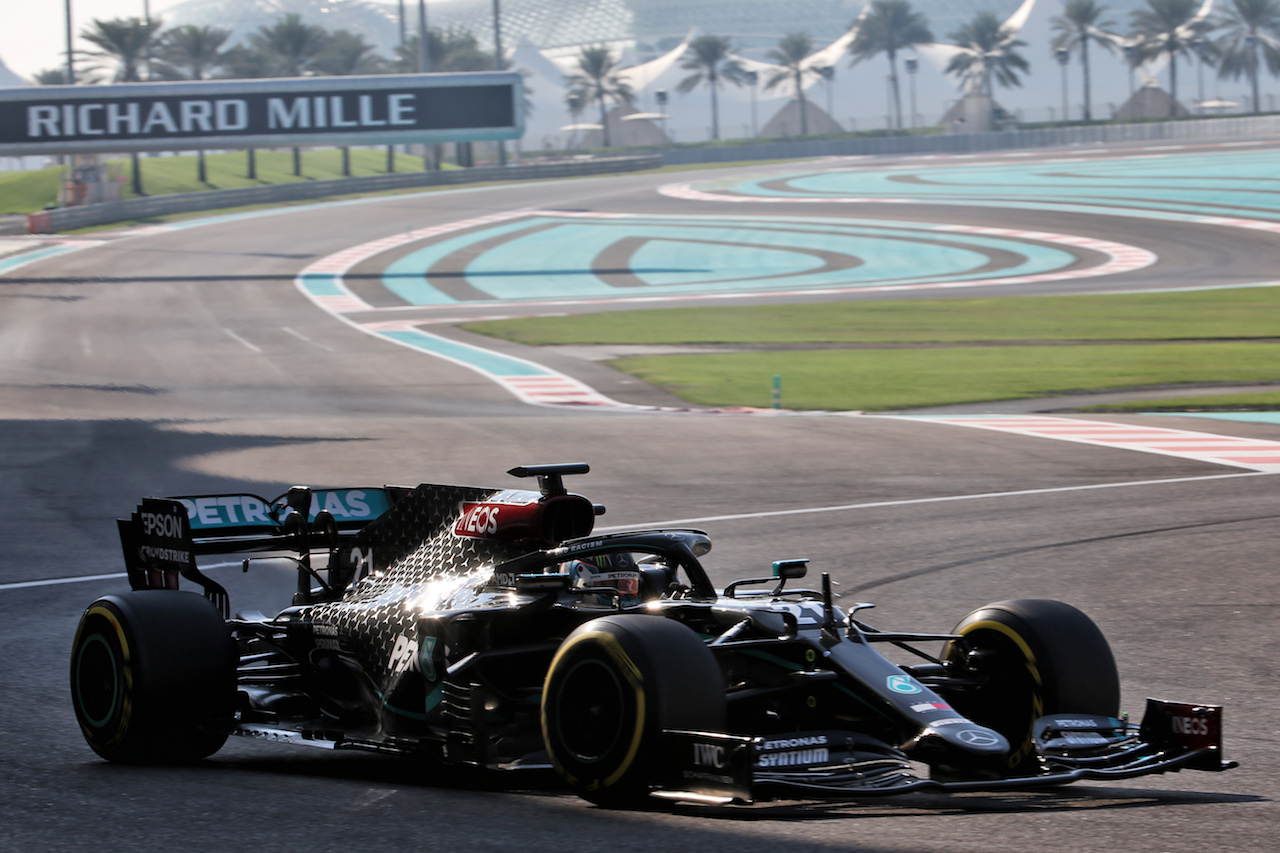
(33, 33)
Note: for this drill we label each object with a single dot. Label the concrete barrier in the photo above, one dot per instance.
(68, 218)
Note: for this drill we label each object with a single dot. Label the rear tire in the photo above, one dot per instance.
(1033, 657)
(153, 677)
(614, 685)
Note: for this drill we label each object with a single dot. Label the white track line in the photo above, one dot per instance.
(944, 499)
(780, 513)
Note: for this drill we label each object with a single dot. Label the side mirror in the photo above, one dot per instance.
(791, 569)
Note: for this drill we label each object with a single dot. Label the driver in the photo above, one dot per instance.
(616, 571)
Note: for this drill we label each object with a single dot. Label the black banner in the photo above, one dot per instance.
(260, 113)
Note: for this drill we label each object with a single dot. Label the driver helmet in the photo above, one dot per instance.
(616, 571)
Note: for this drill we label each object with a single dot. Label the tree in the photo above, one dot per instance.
(126, 42)
(789, 55)
(1167, 26)
(241, 62)
(50, 77)
(987, 49)
(193, 52)
(597, 80)
(347, 53)
(1074, 30)
(452, 49)
(289, 47)
(1252, 37)
(889, 27)
(711, 60)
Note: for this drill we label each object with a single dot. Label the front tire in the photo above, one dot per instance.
(153, 677)
(1031, 657)
(614, 685)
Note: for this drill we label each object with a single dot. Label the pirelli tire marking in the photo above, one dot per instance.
(634, 680)
(1020, 751)
(121, 704)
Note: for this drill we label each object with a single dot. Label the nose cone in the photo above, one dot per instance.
(973, 738)
(961, 750)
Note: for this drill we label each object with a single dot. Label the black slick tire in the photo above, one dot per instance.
(613, 686)
(1031, 657)
(153, 677)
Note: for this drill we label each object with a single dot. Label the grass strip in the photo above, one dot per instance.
(29, 191)
(1238, 313)
(888, 379)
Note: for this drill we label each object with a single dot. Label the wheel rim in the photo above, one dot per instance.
(592, 707)
(1012, 698)
(97, 681)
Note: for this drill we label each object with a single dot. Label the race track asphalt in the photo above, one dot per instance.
(187, 361)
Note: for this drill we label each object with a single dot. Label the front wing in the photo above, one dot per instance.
(720, 768)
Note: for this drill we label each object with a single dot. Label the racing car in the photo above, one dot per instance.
(489, 627)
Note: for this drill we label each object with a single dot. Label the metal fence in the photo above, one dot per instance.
(68, 218)
(1233, 128)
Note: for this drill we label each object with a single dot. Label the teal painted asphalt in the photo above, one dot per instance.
(13, 262)
(1222, 183)
(548, 257)
(1250, 417)
(486, 361)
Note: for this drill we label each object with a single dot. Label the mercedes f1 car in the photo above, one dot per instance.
(490, 628)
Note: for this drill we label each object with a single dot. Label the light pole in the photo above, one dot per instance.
(828, 73)
(1251, 43)
(71, 64)
(429, 153)
(913, 65)
(1131, 59)
(751, 78)
(888, 103)
(424, 53)
(575, 103)
(660, 97)
(1064, 56)
(498, 64)
(1197, 48)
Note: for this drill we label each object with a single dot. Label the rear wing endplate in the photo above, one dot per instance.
(163, 537)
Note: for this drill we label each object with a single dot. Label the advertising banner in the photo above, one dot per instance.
(357, 110)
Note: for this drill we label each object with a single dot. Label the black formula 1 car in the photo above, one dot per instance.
(488, 627)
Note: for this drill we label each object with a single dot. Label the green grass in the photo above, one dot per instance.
(1198, 315)
(26, 192)
(1203, 337)
(883, 379)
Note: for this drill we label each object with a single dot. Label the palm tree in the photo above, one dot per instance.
(193, 51)
(1167, 26)
(50, 77)
(789, 55)
(889, 27)
(597, 80)
(1075, 29)
(711, 60)
(242, 62)
(289, 46)
(347, 53)
(127, 42)
(987, 49)
(1252, 28)
(452, 49)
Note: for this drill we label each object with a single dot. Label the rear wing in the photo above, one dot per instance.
(163, 537)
